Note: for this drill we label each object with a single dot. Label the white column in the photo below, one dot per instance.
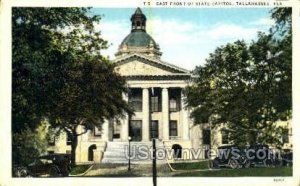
(165, 112)
(125, 123)
(185, 119)
(146, 115)
(105, 132)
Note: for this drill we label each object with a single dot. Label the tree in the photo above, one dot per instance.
(246, 87)
(59, 72)
(35, 144)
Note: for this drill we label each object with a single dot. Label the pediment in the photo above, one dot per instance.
(140, 66)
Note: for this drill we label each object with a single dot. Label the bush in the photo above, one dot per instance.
(29, 144)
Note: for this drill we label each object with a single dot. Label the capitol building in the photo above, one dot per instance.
(156, 93)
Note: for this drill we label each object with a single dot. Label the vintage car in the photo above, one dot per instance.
(262, 155)
(53, 165)
(229, 156)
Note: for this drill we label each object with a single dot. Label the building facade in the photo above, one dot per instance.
(157, 97)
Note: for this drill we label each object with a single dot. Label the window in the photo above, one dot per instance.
(225, 136)
(51, 141)
(97, 132)
(154, 104)
(285, 136)
(69, 139)
(174, 101)
(135, 130)
(155, 100)
(135, 99)
(52, 133)
(154, 129)
(173, 128)
(206, 136)
(173, 105)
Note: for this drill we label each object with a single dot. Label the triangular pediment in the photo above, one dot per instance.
(139, 65)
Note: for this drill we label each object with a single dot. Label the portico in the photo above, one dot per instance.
(159, 113)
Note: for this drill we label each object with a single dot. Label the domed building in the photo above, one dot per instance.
(157, 97)
(156, 94)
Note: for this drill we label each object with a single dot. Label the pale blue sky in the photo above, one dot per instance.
(186, 36)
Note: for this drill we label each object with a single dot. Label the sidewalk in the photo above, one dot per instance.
(121, 170)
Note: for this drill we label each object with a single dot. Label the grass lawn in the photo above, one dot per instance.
(190, 166)
(79, 169)
(263, 171)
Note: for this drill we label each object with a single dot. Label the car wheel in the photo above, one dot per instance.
(213, 164)
(268, 163)
(23, 173)
(54, 172)
(278, 162)
(233, 163)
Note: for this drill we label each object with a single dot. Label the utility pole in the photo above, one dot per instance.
(154, 170)
(129, 154)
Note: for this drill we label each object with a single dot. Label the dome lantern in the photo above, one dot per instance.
(138, 21)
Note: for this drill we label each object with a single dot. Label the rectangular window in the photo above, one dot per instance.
(154, 104)
(285, 136)
(225, 136)
(51, 141)
(52, 132)
(135, 130)
(135, 99)
(173, 128)
(206, 136)
(174, 100)
(97, 132)
(154, 129)
(69, 139)
(155, 100)
(173, 105)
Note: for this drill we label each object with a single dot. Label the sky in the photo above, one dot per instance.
(186, 36)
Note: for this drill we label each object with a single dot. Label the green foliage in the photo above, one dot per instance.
(246, 87)
(59, 72)
(29, 144)
(190, 165)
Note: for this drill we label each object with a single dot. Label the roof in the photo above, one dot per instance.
(138, 39)
(175, 69)
(138, 13)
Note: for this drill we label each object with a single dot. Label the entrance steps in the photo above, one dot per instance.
(141, 152)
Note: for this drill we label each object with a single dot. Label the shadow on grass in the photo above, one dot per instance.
(190, 165)
(79, 169)
(260, 172)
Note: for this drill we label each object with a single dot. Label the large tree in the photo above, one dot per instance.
(247, 87)
(59, 72)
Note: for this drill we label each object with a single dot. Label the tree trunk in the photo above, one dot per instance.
(73, 149)
(253, 138)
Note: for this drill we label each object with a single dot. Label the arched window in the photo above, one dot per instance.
(91, 152)
(177, 151)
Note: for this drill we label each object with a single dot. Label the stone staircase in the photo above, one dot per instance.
(141, 153)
